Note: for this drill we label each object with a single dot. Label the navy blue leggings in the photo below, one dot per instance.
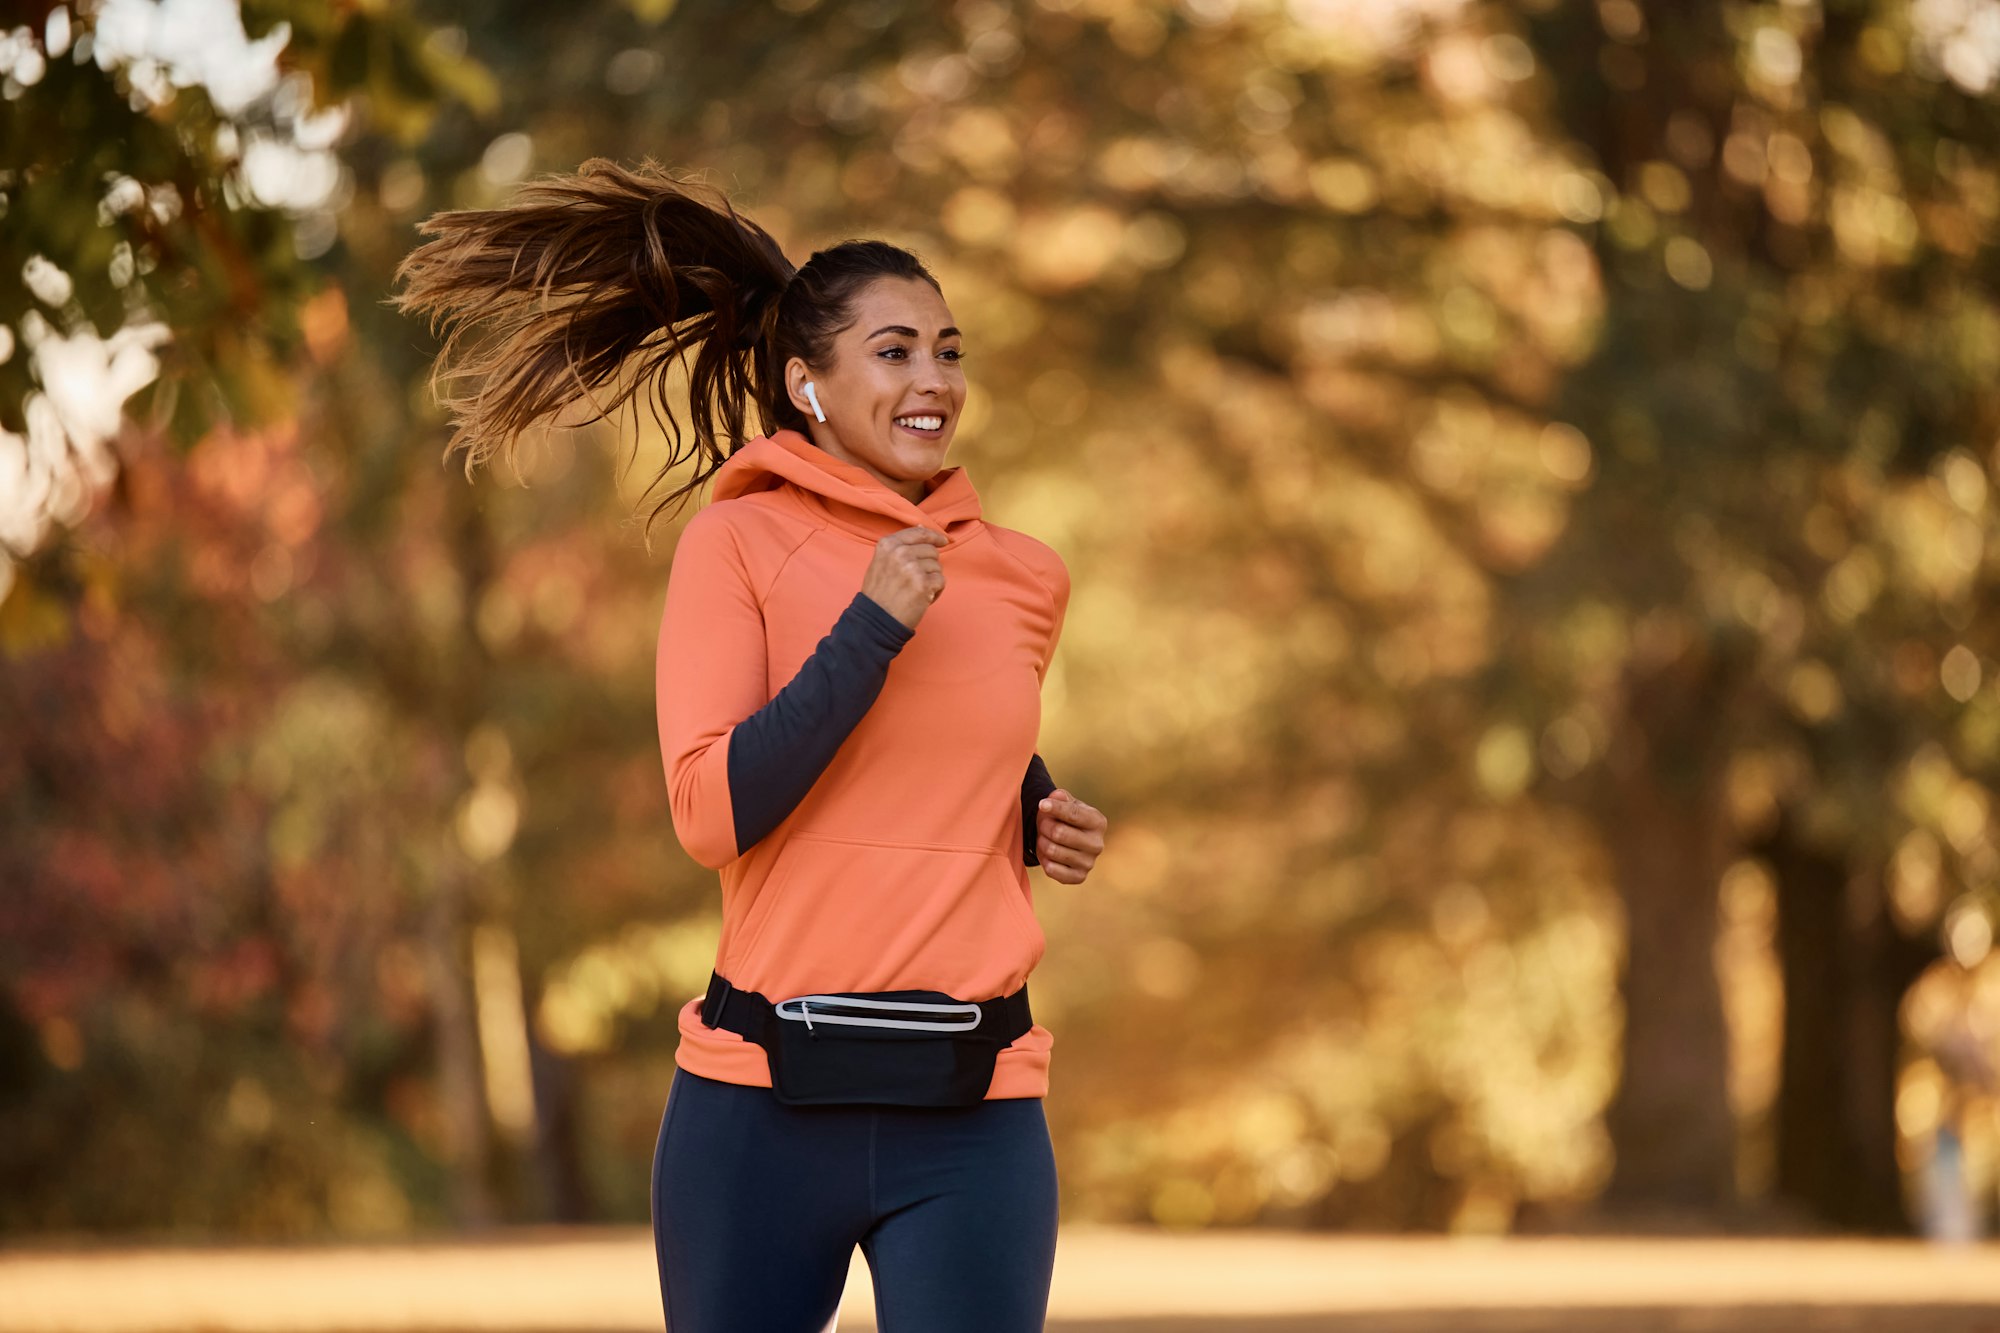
(757, 1208)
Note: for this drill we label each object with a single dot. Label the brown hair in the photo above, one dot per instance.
(588, 269)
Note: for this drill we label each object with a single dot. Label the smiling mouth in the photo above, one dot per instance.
(930, 425)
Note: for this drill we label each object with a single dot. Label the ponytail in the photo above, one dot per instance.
(588, 270)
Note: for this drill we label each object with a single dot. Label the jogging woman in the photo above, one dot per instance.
(849, 675)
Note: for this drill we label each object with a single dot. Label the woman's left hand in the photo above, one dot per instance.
(1069, 835)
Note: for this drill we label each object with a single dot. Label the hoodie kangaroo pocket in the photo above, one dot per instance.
(848, 914)
(737, 947)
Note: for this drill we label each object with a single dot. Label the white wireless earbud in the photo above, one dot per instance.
(813, 398)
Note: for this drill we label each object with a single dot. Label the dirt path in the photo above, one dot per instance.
(1108, 1280)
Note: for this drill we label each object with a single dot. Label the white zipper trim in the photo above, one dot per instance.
(805, 1015)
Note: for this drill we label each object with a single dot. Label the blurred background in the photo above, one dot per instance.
(1526, 468)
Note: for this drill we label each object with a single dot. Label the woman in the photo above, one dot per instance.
(849, 673)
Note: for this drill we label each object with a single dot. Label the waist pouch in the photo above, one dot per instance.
(899, 1047)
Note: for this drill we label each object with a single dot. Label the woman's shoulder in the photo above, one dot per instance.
(1040, 558)
(755, 534)
(744, 518)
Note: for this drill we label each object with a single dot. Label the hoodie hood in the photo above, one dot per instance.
(849, 496)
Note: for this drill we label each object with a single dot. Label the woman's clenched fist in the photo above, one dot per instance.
(905, 577)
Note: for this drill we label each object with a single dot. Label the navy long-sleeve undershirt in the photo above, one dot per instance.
(778, 752)
(1034, 787)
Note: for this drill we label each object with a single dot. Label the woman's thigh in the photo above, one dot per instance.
(757, 1207)
(965, 1207)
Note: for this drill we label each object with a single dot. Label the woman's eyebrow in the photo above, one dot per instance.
(948, 331)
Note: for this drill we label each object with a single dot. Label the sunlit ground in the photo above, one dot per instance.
(598, 1280)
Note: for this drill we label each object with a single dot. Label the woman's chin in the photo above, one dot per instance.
(918, 458)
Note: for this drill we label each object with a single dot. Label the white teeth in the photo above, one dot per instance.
(922, 423)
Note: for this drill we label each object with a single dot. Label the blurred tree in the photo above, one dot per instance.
(1799, 260)
(170, 256)
(187, 936)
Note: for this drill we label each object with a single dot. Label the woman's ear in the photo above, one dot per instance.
(796, 375)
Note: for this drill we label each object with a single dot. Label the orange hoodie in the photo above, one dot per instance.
(901, 869)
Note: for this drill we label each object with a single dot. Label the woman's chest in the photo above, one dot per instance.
(986, 631)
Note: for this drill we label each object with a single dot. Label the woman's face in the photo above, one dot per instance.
(894, 390)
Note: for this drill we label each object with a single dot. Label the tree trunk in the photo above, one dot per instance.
(565, 1196)
(1662, 813)
(459, 1080)
(1846, 969)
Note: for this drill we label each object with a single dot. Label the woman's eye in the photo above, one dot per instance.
(951, 354)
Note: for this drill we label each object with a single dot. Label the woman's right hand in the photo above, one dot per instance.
(905, 577)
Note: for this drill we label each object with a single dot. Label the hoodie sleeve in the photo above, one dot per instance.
(736, 762)
(1037, 783)
(1058, 585)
